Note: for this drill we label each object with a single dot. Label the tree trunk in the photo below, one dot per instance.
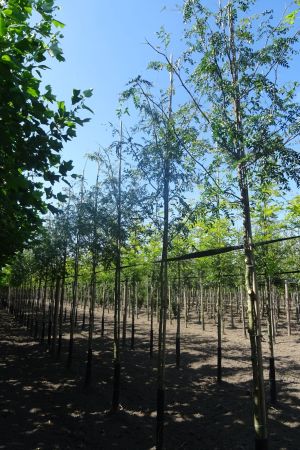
(37, 309)
(73, 311)
(243, 311)
(43, 327)
(202, 305)
(117, 312)
(61, 307)
(254, 328)
(125, 314)
(219, 333)
(88, 373)
(84, 311)
(272, 374)
(133, 299)
(151, 322)
(163, 289)
(55, 314)
(287, 307)
(103, 312)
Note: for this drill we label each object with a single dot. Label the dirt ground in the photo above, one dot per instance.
(44, 406)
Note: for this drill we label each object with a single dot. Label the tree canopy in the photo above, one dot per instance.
(34, 124)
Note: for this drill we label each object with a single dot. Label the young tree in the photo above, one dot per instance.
(98, 217)
(250, 117)
(76, 249)
(166, 168)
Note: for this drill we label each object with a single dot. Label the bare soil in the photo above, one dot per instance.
(45, 406)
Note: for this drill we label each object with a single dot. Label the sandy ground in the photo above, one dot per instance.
(44, 406)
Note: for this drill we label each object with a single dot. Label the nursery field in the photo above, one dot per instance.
(149, 261)
(45, 406)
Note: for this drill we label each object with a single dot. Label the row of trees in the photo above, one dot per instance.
(225, 129)
(44, 302)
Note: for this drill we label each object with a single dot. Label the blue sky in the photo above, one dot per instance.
(104, 46)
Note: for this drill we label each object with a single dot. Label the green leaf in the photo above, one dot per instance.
(6, 58)
(48, 192)
(65, 167)
(290, 18)
(88, 92)
(48, 95)
(76, 97)
(87, 108)
(56, 51)
(53, 209)
(7, 12)
(33, 92)
(58, 24)
(61, 197)
(61, 106)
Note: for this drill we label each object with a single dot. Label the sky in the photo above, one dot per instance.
(105, 46)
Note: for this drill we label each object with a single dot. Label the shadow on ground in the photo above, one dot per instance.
(44, 406)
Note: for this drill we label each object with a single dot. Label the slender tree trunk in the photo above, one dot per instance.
(61, 305)
(133, 298)
(136, 299)
(116, 353)
(151, 322)
(219, 333)
(103, 312)
(185, 307)
(254, 328)
(37, 309)
(43, 327)
(84, 311)
(243, 311)
(178, 320)
(170, 307)
(163, 291)
(147, 299)
(50, 314)
(32, 301)
(202, 304)
(88, 373)
(287, 307)
(231, 310)
(73, 314)
(55, 314)
(272, 374)
(117, 312)
(125, 313)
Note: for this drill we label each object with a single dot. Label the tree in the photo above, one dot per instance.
(34, 125)
(97, 217)
(167, 172)
(250, 117)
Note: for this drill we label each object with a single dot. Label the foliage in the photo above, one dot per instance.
(268, 110)
(34, 124)
(291, 17)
